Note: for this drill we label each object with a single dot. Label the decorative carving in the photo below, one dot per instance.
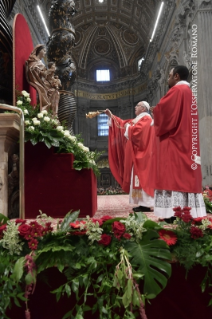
(204, 3)
(102, 47)
(59, 50)
(43, 80)
(13, 188)
(130, 37)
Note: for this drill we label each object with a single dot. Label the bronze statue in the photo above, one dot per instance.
(59, 48)
(42, 79)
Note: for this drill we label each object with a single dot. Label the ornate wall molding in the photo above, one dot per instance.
(110, 96)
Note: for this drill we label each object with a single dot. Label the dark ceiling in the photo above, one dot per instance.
(113, 34)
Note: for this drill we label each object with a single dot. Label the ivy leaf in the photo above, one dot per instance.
(68, 290)
(16, 302)
(126, 300)
(58, 292)
(135, 299)
(33, 141)
(75, 285)
(69, 218)
(18, 269)
(129, 288)
(67, 315)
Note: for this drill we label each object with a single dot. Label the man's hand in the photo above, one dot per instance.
(108, 112)
(151, 110)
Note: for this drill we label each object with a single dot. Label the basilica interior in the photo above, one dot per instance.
(121, 38)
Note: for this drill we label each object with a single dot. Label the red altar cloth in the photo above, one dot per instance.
(54, 187)
(181, 299)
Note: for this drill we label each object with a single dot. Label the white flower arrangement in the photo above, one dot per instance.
(86, 149)
(54, 134)
(36, 122)
(55, 121)
(66, 133)
(59, 128)
(25, 94)
(72, 138)
(40, 115)
(80, 145)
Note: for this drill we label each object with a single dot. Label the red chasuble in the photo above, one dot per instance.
(175, 165)
(135, 152)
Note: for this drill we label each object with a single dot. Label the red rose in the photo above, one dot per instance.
(127, 236)
(24, 229)
(118, 229)
(105, 218)
(105, 240)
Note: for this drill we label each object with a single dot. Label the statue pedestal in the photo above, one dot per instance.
(9, 136)
(54, 187)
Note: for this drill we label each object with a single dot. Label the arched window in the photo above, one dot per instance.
(103, 128)
(139, 63)
(102, 75)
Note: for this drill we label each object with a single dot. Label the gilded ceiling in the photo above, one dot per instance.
(114, 34)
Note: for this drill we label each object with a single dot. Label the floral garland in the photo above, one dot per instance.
(207, 196)
(83, 248)
(44, 127)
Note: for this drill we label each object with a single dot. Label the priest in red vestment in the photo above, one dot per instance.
(130, 147)
(177, 177)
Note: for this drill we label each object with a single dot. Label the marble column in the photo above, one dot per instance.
(9, 136)
(204, 78)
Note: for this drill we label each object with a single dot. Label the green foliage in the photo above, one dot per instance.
(208, 205)
(46, 128)
(10, 285)
(69, 218)
(149, 257)
(3, 219)
(110, 272)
